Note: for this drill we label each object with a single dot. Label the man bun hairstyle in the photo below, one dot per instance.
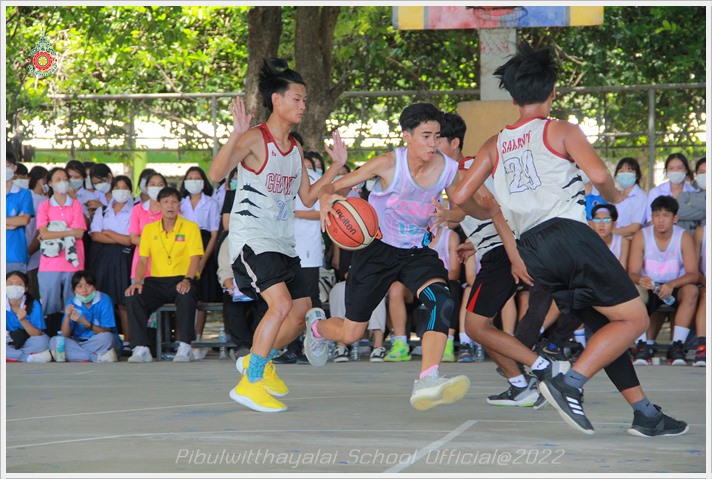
(275, 77)
(529, 76)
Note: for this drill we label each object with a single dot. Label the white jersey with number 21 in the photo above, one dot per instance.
(532, 182)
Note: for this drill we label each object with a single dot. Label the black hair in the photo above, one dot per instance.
(100, 170)
(207, 185)
(310, 160)
(667, 203)
(21, 169)
(683, 159)
(88, 164)
(699, 163)
(155, 173)
(29, 299)
(417, 113)
(233, 173)
(36, 173)
(10, 157)
(312, 155)
(275, 77)
(50, 174)
(453, 126)
(529, 76)
(633, 164)
(85, 275)
(76, 165)
(297, 136)
(123, 178)
(146, 173)
(168, 191)
(608, 207)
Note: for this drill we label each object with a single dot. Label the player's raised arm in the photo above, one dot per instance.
(310, 193)
(476, 175)
(234, 150)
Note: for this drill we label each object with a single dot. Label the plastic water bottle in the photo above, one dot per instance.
(670, 300)
(60, 357)
(223, 339)
(354, 351)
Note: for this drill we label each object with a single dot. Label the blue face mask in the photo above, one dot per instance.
(233, 185)
(86, 299)
(626, 179)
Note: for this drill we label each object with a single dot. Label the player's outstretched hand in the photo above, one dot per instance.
(338, 154)
(519, 272)
(240, 118)
(325, 203)
(440, 214)
(465, 251)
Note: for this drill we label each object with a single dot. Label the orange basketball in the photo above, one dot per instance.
(354, 223)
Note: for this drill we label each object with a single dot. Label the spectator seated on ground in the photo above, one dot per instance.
(604, 218)
(26, 341)
(89, 325)
(662, 261)
(174, 247)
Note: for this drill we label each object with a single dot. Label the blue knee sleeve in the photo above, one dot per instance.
(436, 298)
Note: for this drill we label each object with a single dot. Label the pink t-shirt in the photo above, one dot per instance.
(71, 213)
(141, 216)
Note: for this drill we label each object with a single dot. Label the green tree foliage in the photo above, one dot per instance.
(105, 50)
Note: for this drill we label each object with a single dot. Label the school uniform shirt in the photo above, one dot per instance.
(141, 215)
(109, 220)
(206, 213)
(18, 202)
(307, 235)
(36, 318)
(219, 195)
(662, 190)
(632, 208)
(99, 312)
(30, 231)
(71, 214)
(170, 252)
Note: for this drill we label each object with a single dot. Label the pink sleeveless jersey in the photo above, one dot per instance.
(404, 209)
(442, 247)
(615, 245)
(663, 266)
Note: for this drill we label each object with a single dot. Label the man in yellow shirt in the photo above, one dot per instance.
(175, 248)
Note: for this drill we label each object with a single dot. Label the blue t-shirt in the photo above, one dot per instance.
(36, 318)
(19, 202)
(99, 312)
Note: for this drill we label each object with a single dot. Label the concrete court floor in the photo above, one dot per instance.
(350, 418)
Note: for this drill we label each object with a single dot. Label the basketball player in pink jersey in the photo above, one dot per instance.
(261, 240)
(535, 167)
(410, 180)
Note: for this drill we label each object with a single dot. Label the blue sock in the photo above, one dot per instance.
(552, 347)
(256, 369)
(272, 354)
(574, 379)
(645, 407)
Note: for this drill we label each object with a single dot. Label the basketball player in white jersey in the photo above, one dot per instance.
(262, 246)
(540, 192)
(410, 179)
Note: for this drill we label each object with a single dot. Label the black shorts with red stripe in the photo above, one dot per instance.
(494, 284)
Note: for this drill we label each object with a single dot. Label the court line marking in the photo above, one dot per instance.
(84, 372)
(432, 446)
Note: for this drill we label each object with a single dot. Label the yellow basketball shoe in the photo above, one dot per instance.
(255, 396)
(273, 384)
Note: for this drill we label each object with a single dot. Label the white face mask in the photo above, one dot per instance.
(626, 178)
(194, 186)
(61, 187)
(9, 172)
(15, 292)
(676, 177)
(121, 196)
(702, 180)
(76, 184)
(45, 188)
(88, 184)
(142, 186)
(22, 183)
(153, 192)
(103, 187)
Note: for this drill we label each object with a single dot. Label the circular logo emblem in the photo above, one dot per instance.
(42, 61)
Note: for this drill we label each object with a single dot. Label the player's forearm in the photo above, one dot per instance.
(220, 166)
(608, 190)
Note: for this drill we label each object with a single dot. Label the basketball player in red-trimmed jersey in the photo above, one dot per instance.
(261, 240)
(540, 191)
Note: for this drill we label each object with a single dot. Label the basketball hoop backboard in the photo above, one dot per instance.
(478, 17)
